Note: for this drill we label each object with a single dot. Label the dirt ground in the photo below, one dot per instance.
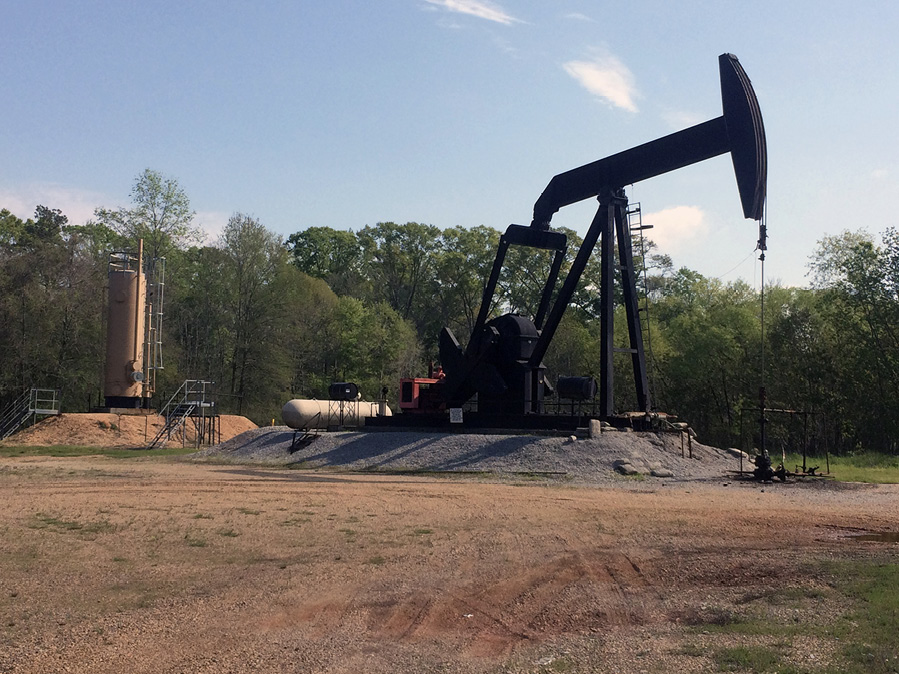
(152, 565)
(118, 430)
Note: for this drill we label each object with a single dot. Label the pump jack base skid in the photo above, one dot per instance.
(474, 422)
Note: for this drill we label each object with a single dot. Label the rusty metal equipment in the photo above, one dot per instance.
(763, 469)
(502, 362)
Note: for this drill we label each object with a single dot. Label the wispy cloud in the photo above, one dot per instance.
(677, 228)
(213, 225)
(76, 204)
(680, 119)
(482, 10)
(605, 77)
(577, 16)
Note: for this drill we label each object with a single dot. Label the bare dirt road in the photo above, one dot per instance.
(163, 566)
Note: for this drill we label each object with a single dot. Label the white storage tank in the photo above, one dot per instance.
(321, 414)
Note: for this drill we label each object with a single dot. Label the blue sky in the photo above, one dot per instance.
(451, 112)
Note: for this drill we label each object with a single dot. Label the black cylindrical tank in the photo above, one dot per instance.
(343, 390)
(577, 388)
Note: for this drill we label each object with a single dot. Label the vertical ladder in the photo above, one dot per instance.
(153, 341)
(636, 227)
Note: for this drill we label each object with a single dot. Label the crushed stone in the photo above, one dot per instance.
(652, 455)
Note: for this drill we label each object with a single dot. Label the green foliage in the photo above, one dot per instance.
(269, 320)
(50, 305)
(869, 630)
(160, 215)
(248, 318)
(461, 270)
(709, 369)
(399, 262)
(861, 631)
(331, 255)
(870, 467)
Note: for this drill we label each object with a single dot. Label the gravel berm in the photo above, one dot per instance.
(592, 460)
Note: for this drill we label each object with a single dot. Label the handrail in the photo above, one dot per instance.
(32, 402)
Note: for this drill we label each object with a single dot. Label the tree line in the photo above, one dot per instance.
(269, 320)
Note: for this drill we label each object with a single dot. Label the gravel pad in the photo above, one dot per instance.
(578, 459)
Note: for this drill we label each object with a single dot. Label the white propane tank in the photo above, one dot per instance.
(320, 414)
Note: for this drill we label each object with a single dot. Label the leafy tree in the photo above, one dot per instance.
(161, 215)
(399, 261)
(311, 313)
(855, 282)
(11, 230)
(710, 367)
(198, 319)
(50, 307)
(461, 269)
(332, 255)
(254, 259)
(372, 346)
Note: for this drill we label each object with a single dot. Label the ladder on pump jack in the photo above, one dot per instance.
(636, 228)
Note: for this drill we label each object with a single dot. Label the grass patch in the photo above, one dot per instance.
(869, 630)
(422, 532)
(228, 533)
(79, 450)
(195, 542)
(860, 467)
(376, 560)
(45, 521)
(248, 511)
(54, 523)
(295, 522)
(716, 620)
(864, 633)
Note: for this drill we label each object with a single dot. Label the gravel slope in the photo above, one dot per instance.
(583, 460)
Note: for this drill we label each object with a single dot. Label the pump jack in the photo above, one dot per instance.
(502, 362)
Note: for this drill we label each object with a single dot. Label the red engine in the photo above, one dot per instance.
(422, 394)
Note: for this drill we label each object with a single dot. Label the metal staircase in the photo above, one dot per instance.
(26, 408)
(190, 401)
